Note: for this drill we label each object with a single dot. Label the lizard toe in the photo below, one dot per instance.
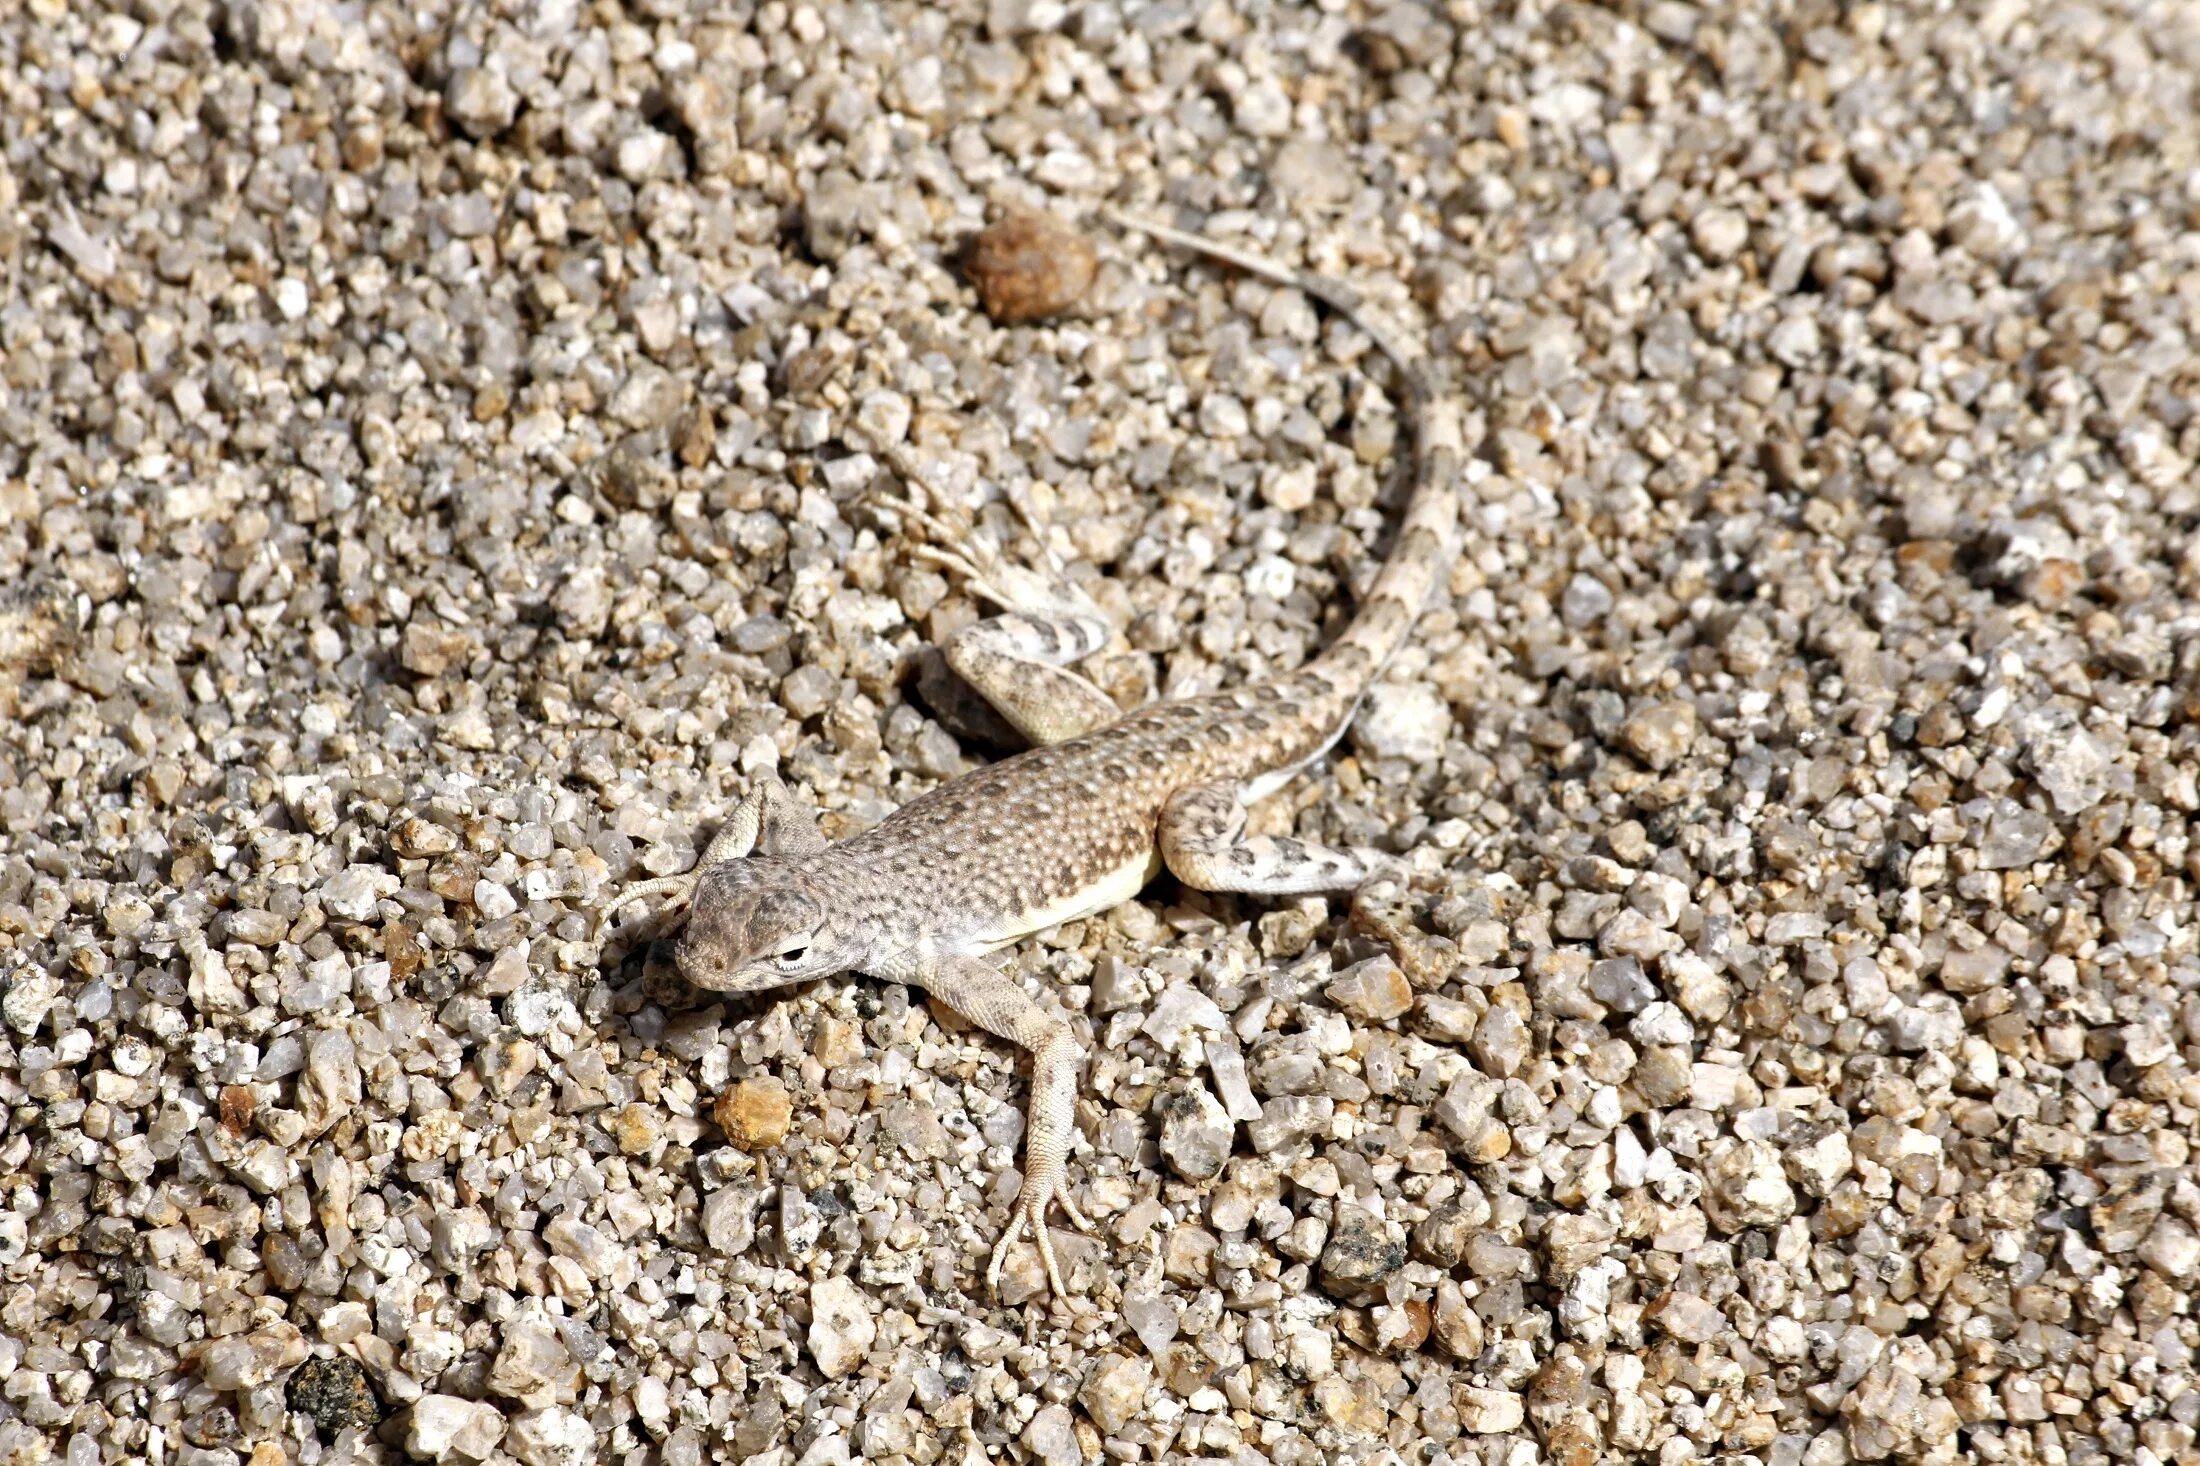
(1046, 1259)
(1001, 1250)
(948, 560)
(679, 885)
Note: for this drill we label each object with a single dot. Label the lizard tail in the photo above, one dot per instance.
(1428, 532)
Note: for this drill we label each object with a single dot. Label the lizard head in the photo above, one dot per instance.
(759, 923)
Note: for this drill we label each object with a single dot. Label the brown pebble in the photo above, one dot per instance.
(836, 1043)
(1427, 963)
(2053, 583)
(1028, 267)
(637, 1129)
(698, 435)
(1572, 1440)
(947, 1018)
(755, 1113)
(402, 950)
(164, 779)
(35, 620)
(431, 648)
(363, 148)
(453, 877)
(237, 1104)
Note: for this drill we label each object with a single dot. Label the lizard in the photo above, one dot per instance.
(1099, 805)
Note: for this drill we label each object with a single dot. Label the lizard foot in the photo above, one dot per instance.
(1388, 881)
(1010, 587)
(682, 885)
(915, 508)
(974, 558)
(1386, 873)
(1031, 1216)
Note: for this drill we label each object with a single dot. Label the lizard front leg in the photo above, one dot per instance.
(998, 1004)
(1201, 834)
(766, 819)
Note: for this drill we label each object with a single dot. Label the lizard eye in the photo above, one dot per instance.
(791, 956)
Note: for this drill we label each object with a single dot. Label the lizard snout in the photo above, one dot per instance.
(705, 964)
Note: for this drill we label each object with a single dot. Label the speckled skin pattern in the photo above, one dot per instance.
(1076, 824)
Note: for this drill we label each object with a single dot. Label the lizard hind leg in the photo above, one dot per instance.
(1010, 661)
(1018, 660)
(1202, 838)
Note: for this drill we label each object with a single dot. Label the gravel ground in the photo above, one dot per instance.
(436, 458)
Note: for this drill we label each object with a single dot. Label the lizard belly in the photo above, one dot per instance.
(1111, 889)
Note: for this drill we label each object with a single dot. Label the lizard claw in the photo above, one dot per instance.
(956, 563)
(909, 511)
